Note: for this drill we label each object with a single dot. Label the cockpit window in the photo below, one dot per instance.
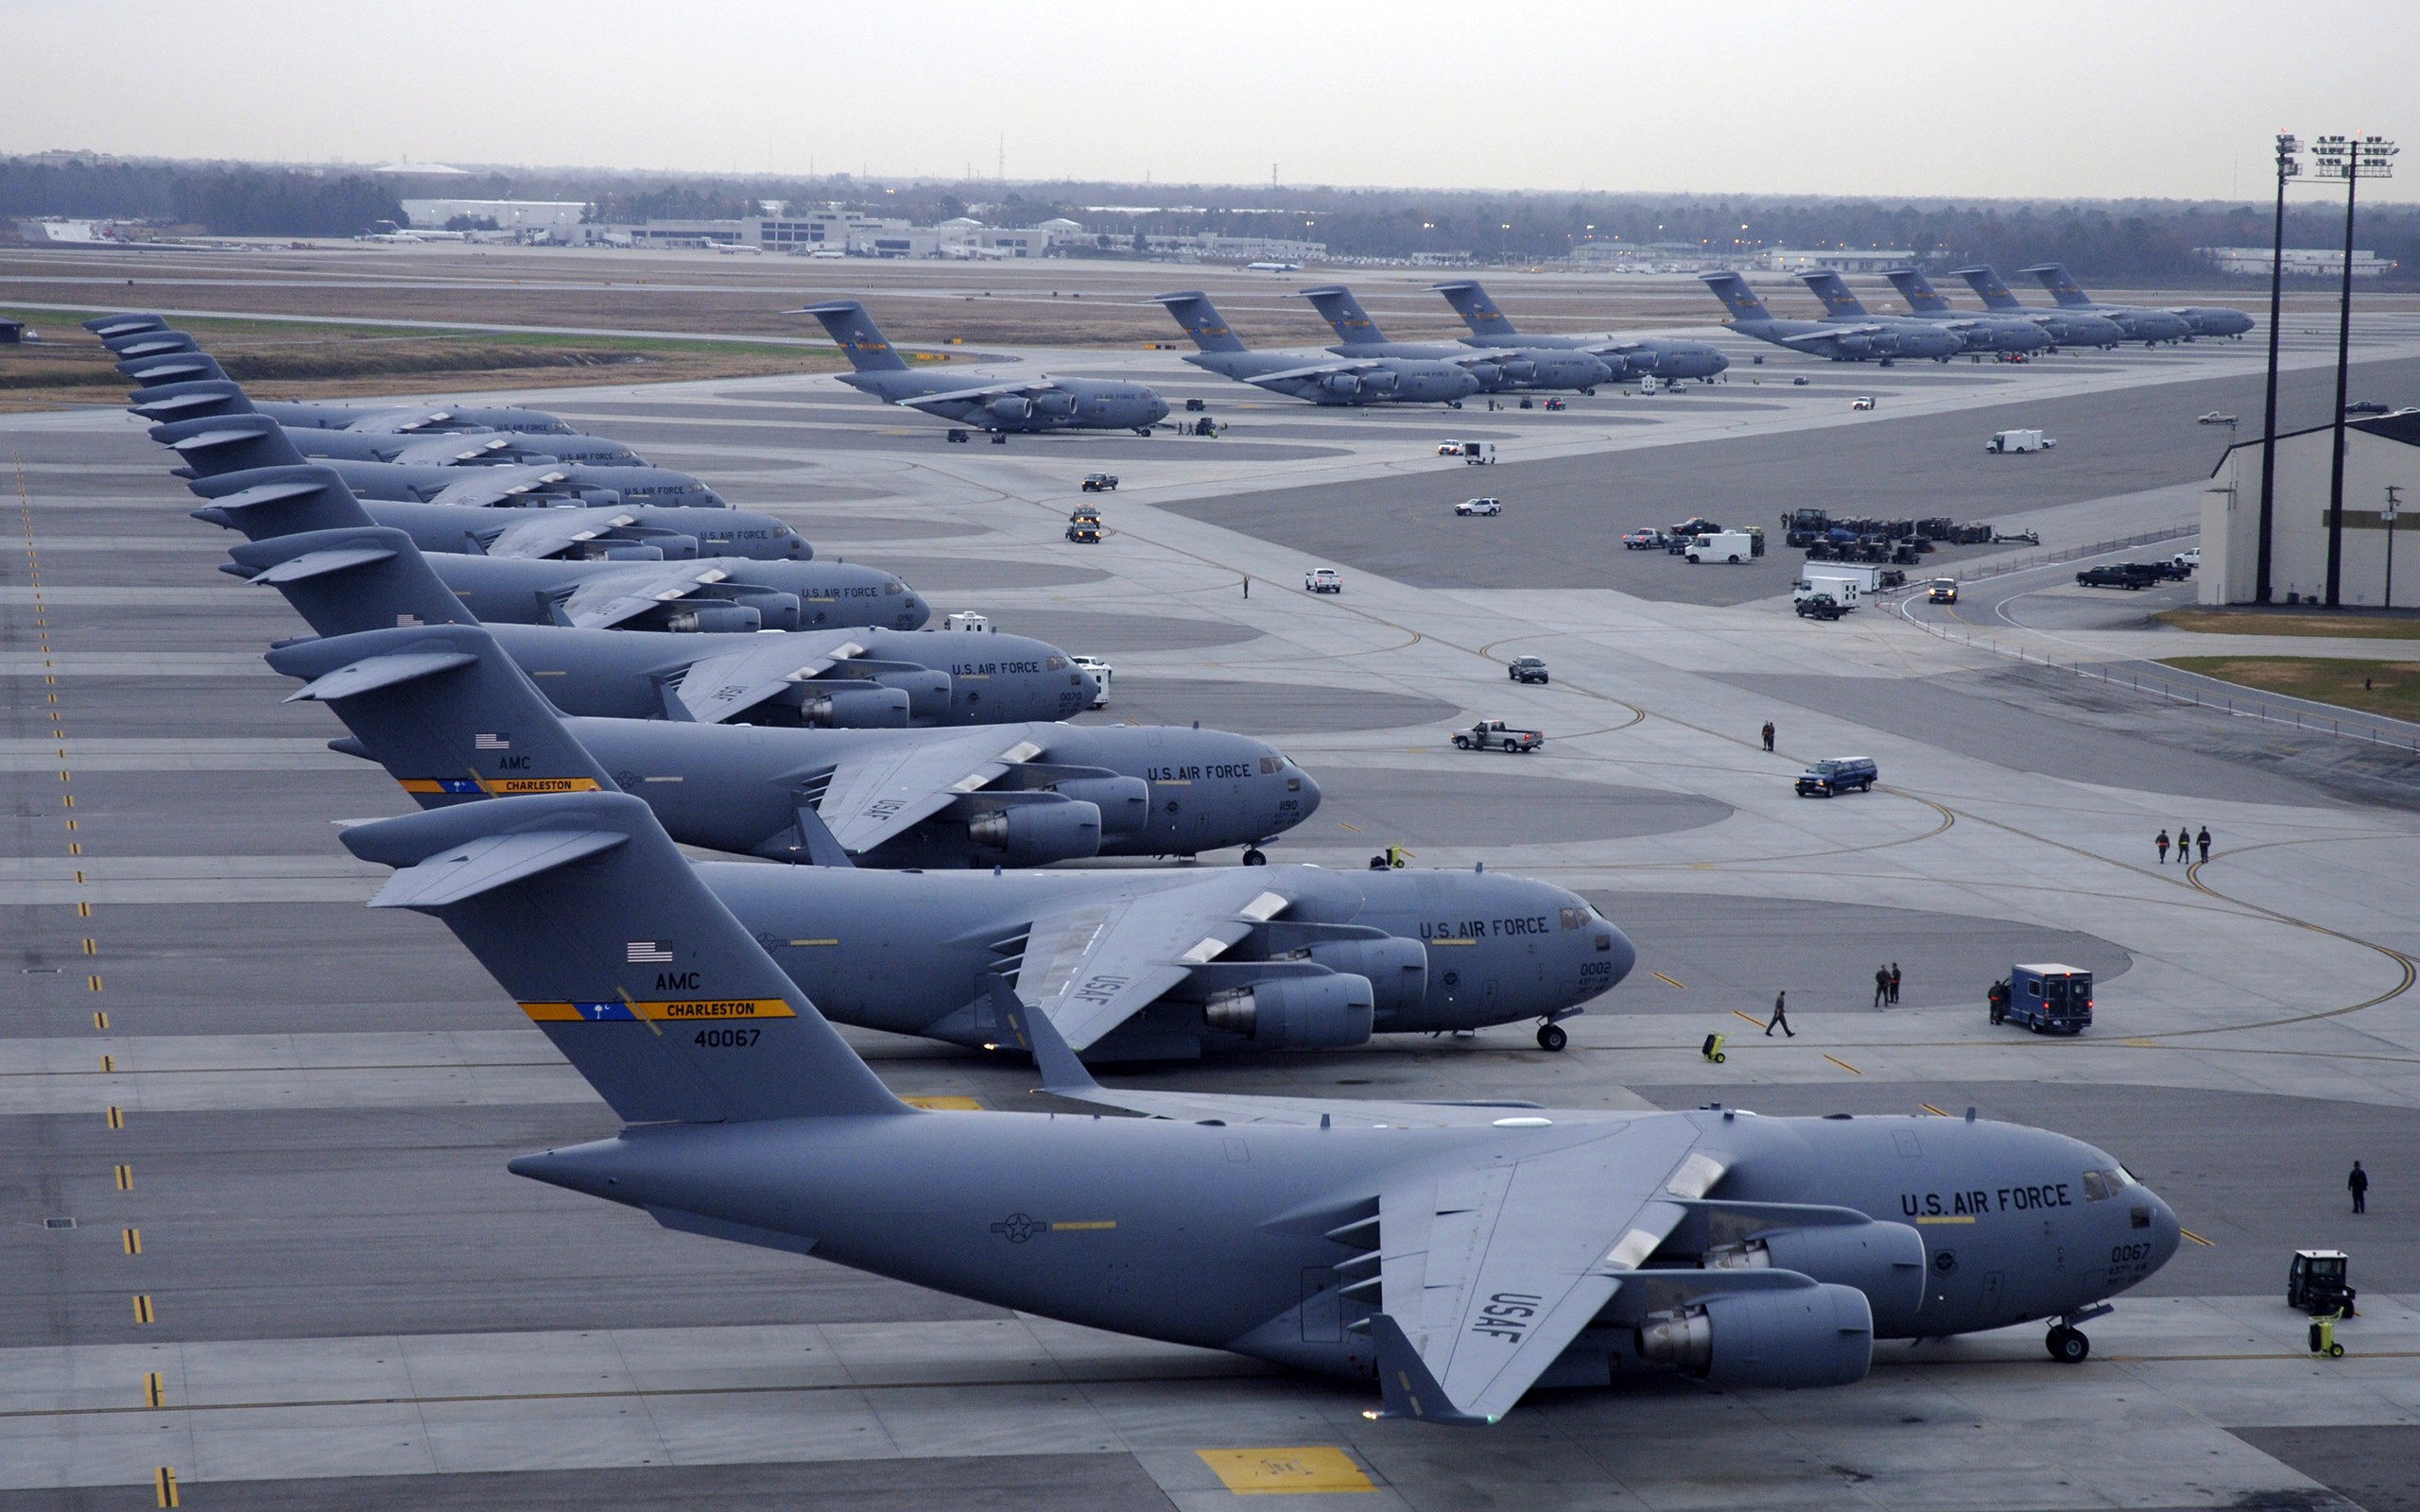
(1054, 664)
(1575, 919)
(2099, 1185)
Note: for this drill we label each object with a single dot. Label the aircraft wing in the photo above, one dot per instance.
(1831, 333)
(610, 598)
(1091, 967)
(715, 688)
(401, 421)
(959, 396)
(544, 532)
(446, 450)
(1316, 370)
(482, 487)
(890, 789)
(1487, 1271)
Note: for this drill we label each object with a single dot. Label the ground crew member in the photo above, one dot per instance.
(2183, 845)
(1769, 735)
(1780, 1021)
(2357, 1183)
(1247, 585)
(1881, 985)
(2202, 840)
(2163, 848)
(1895, 983)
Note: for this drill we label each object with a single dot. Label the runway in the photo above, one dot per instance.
(303, 1110)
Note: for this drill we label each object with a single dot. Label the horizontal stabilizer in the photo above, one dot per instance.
(488, 863)
(377, 672)
(106, 326)
(320, 563)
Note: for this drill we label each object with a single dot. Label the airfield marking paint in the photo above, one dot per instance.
(1310, 1471)
(1844, 1065)
(2209, 1244)
(1668, 981)
(1935, 1111)
(1750, 1016)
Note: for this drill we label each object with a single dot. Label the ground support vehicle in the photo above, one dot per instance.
(1084, 532)
(1486, 507)
(1732, 546)
(1646, 540)
(2010, 442)
(2048, 998)
(1494, 734)
(1101, 672)
(1099, 482)
(1323, 580)
(1817, 607)
(2319, 1281)
(1839, 774)
(1527, 669)
(1942, 590)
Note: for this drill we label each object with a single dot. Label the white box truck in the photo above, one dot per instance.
(2005, 441)
(1843, 591)
(1724, 545)
(1479, 454)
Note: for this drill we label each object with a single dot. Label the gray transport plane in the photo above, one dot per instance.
(1457, 1254)
(1981, 333)
(279, 501)
(341, 581)
(1629, 356)
(2060, 330)
(2152, 325)
(1506, 368)
(1000, 405)
(2069, 328)
(453, 721)
(1320, 380)
(1840, 341)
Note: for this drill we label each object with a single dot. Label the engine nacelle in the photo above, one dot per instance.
(1296, 1012)
(620, 551)
(1883, 1261)
(714, 619)
(776, 610)
(1054, 406)
(595, 497)
(1820, 1335)
(1038, 834)
(671, 545)
(1123, 802)
(855, 709)
(1381, 381)
(927, 689)
(1011, 408)
(1341, 383)
(1395, 967)
(1519, 369)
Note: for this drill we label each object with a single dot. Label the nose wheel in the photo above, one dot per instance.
(2068, 1345)
(1552, 1036)
(1255, 857)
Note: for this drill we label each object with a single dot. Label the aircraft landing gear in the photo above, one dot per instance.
(1552, 1036)
(2067, 1346)
(1255, 857)
(1452, 404)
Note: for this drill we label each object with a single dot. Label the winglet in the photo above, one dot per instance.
(823, 848)
(1028, 1028)
(1408, 1388)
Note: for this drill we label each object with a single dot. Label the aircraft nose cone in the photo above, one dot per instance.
(1309, 798)
(2166, 1234)
(1625, 955)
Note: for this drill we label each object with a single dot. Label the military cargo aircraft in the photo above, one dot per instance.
(1457, 1254)
(1977, 333)
(341, 581)
(452, 719)
(1630, 356)
(2143, 323)
(279, 501)
(2058, 330)
(1508, 368)
(999, 405)
(1318, 380)
(1839, 339)
(2068, 328)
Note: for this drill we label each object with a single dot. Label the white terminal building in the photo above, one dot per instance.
(2381, 496)
(559, 219)
(1838, 259)
(2308, 262)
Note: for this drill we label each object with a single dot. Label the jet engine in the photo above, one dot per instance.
(1517, 369)
(671, 545)
(1054, 405)
(610, 550)
(775, 610)
(1820, 1335)
(1038, 834)
(1123, 802)
(1296, 1012)
(1395, 967)
(1341, 383)
(859, 708)
(728, 619)
(928, 688)
(1011, 408)
(1885, 1262)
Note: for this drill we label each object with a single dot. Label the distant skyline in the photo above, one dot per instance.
(2152, 99)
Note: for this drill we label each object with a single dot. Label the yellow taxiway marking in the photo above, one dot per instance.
(131, 1239)
(1935, 1111)
(126, 1179)
(945, 1105)
(163, 1483)
(142, 1309)
(2208, 1244)
(1311, 1470)
(1668, 981)
(1844, 1065)
(1355, 828)
(1750, 1016)
(117, 1117)
(151, 1388)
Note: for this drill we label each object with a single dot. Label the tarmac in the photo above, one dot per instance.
(258, 1230)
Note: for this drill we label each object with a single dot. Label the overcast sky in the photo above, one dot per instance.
(2137, 98)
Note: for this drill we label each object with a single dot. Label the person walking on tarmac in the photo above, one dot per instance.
(2202, 840)
(1781, 1021)
(2358, 1184)
(1881, 985)
(1895, 983)
(1769, 735)
(2163, 848)
(2183, 845)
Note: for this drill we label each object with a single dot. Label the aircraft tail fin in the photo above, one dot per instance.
(2062, 284)
(867, 348)
(171, 367)
(581, 908)
(1736, 296)
(212, 444)
(1344, 315)
(1988, 288)
(1834, 291)
(269, 502)
(445, 710)
(1201, 321)
(1469, 300)
(198, 399)
(126, 323)
(345, 581)
(1918, 291)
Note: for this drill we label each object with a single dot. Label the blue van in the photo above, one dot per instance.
(2046, 999)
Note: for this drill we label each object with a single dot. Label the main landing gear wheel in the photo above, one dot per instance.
(2067, 1346)
(1255, 857)
(1551, 1036)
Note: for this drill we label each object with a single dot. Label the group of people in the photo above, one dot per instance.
(1886, 985)
(2185, 842)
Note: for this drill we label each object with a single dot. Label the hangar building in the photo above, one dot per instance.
(2380, 453)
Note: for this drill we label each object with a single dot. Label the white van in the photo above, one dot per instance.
(1724, 545)
(1479, 454)
(2010, 441)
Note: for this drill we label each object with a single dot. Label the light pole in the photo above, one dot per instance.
(2351, 160)
(2289, 166)
(2393, 490)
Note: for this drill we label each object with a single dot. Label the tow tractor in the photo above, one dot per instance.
(2319, 1281)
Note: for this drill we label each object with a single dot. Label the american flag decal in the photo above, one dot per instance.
(487, 742)
(649, 951)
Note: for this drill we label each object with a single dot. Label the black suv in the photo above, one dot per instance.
(1527, 669)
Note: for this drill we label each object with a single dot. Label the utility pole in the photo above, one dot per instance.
(2394, 490)
(2289, 166)
(2346, 159)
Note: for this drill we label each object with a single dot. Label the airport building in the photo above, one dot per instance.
(2381, 481)
(559, 219)
(1839, 259)
(2306, 262)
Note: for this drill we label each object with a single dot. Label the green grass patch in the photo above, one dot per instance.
(2350, 625)
(2390, 688)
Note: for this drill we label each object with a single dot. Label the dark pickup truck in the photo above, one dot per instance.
(2126, 574)
(1494, 734)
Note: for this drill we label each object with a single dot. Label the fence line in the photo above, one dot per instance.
(2098, 548)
